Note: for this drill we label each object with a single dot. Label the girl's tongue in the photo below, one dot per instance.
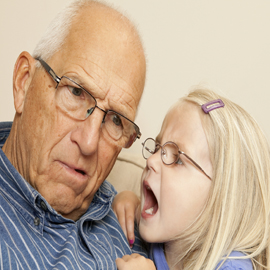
(150, 202)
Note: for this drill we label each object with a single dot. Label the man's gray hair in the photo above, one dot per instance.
(58, 30)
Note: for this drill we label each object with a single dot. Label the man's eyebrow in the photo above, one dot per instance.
(78, 79)
(88, 87)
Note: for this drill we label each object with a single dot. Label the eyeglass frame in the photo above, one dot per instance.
(179, 152)
(57, 79)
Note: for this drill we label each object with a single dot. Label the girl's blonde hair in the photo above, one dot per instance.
(236, 216)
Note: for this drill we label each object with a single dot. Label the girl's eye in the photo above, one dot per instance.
(179, 161)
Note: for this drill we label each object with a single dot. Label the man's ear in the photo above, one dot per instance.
(23, 73)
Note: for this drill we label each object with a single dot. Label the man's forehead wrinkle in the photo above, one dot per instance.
(125, 94)
(131, 88)
(125, 101)
(106, 78)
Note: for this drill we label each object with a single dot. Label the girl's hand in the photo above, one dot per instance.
(134, 261)
(125, 205)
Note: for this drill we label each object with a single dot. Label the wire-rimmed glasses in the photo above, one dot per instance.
(80, 104)
(169, 153)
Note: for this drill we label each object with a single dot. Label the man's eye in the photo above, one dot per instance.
(75, 91)
(116, 120)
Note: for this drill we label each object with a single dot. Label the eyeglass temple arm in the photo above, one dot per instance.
(49, 70)
(196, 164)
(148, 149)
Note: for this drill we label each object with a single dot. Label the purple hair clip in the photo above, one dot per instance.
(212, 105)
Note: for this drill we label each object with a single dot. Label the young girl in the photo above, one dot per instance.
(205, 196)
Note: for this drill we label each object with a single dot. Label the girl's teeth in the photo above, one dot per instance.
(149, 211)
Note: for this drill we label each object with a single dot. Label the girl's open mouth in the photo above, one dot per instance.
(150, 202)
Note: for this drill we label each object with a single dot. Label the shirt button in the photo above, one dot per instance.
(36, 221)
(43, 205)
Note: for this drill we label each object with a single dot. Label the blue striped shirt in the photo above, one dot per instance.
(34, 236)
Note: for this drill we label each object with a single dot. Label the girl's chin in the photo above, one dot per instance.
(148, 235)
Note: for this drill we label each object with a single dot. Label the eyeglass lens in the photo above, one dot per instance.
(169, 153)
(149, 148)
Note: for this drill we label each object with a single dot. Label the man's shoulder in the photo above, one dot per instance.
(101, 203)
(108, 189)
(5, 128)
(105, 194)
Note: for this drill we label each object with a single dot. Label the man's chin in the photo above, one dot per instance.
(65, 201)
(71, 212)
(75, 214)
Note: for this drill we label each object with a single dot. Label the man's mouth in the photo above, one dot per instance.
(73, 170)
(72, 176)
(150, 202)
(80, 171)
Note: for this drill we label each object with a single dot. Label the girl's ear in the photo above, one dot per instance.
(23, 73)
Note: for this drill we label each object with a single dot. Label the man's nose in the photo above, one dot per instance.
(87, 133)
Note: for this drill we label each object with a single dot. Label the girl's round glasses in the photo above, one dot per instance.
(170, 153)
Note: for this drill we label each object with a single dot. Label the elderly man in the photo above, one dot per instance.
(75, 101)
